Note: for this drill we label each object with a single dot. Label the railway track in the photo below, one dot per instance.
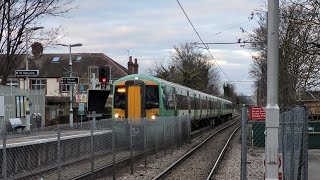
(202, 161)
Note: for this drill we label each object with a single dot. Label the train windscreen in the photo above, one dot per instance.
(120, 97)
(152, 97)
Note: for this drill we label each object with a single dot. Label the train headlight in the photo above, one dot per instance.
(153, 117)
(116, 115)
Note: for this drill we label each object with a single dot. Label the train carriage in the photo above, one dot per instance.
(141, 96)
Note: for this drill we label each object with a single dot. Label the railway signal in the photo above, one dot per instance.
(104, 75)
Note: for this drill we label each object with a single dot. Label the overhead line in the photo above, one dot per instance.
(202, 40)
(228, 29)
(244, 42)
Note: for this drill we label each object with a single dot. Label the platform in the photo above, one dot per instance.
(49, 136)
(313, 164)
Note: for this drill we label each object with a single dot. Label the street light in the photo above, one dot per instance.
(70, 86)
(26, 84)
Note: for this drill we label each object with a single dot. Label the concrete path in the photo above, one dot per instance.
(314, 164)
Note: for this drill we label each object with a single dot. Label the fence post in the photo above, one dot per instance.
(145, 140)
(113, 152)
(59, 150)
(4, 156)
(306, 141)
(164, 136)
(244, 143)
(156, 137)
(292, 144)
(131, 143)
(92, 149)
(189, 128)
(179, 133)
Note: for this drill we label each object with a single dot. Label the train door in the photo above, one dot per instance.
(135, 99)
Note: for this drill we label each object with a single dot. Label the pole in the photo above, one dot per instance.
(244, 143)
(59, 151)
(71, 89)
(92, 150)
(113, 153)
(4, 155)
(272, 109)
(28, 124)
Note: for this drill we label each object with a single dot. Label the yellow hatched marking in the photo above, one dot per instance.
(134, 102)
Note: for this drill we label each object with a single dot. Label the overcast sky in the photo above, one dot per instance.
(148, 30)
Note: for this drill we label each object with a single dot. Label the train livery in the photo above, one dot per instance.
(144, 96)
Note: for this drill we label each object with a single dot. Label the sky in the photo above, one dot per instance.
(148, 30)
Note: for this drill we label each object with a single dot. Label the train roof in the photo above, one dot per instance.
(161, 81)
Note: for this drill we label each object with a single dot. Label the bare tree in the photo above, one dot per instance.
(299, 54)
(15, 17)
(191, 68)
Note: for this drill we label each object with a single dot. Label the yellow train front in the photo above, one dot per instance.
(136, 96)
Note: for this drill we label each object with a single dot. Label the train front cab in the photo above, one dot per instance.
(135, 99)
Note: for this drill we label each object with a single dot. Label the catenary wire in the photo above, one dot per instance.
(202, 41)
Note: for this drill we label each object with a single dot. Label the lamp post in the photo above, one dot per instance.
(26, 84)
(70, 86)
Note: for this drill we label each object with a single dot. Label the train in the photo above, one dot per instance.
(143, 96)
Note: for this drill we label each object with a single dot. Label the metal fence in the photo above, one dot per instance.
(293, 144)
(88, 149)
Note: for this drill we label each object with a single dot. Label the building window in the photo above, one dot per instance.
(38, 84)
(12, 82)
(55, 60)
(65, 87)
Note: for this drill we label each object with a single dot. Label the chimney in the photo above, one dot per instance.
(130, 65)
(135, 66)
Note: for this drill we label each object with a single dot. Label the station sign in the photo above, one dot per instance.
(258, 113)
(70, 80)
(26, 73)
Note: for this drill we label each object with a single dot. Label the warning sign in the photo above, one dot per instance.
(257, 113)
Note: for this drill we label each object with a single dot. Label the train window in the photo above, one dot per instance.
(152, 97)
(119, 97)
(182, 102)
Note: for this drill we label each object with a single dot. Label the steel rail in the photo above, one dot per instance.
(164, 173)
(216, 164)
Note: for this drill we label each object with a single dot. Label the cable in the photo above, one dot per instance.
(202, 40)
(244, 42)
(228, 29)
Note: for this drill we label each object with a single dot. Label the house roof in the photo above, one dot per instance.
(56, 69)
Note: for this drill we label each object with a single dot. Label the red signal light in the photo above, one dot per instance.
(104, 80)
